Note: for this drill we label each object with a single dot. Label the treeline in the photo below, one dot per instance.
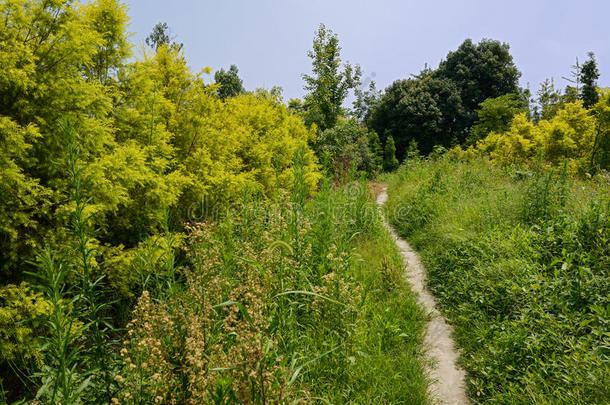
(474, 92)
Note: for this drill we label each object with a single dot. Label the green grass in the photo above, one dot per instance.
(519, 262)
(389, 339)
(282, 301)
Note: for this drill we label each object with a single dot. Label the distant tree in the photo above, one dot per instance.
(365, 101)
(496, 114)
(347, 145)
(549, 100)
(161, 35)
(423, 110)
(376, 150)
(412, 150)
(572, 93)
(230, 85)
(588, 77)
(390, 162)
(480, 71)
(296, 105)
(330, 82)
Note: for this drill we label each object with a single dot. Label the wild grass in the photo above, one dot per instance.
(299, 299)
(519, 261)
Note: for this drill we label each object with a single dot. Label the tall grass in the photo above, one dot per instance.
(520, 263)
(298, 299)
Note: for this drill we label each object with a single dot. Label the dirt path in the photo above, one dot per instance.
(448, 379)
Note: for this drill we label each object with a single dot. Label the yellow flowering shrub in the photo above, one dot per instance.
(569, 135)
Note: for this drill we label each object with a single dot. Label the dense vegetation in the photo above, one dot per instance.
(168, 236)
(519, 261)
(158, 239)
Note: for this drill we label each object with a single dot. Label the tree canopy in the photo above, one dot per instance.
(480, 71)
(229, 82)
(422, 110)
(439, 107)
(588, 76)
(330, 81)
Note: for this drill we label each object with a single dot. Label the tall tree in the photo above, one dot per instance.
(230, 85)
(480, 71)
(330, 81)
(161, 35)
(588, 77)
(423, 110)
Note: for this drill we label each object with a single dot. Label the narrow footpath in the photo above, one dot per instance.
(447, 377)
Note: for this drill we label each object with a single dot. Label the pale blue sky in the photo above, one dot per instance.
(268, 39)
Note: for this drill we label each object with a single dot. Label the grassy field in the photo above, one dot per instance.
(519, 261)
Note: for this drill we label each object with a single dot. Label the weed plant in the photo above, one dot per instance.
(296, 299)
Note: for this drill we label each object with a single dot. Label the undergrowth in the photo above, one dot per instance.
(519, 261)
(299, 299)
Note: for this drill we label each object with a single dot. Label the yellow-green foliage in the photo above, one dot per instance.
(569, 135)
(20, 307)
(154, 137)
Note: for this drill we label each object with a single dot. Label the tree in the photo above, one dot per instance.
(496, 114)
(330, 82)
(230, 85)
(390, 162)
(348, 145)
(375, 146)
(481, 71)
(423, 110)
(588, 76)
(549, 100)
(572, 93)
(160, 36)
(600, 157)
(365, 101)
(109, 18)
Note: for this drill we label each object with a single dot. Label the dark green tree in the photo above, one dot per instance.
(376, 150)
(161, 35)
(348, 145)
(390, 162)
(230, 85)
(423, 110)
(296, 105)
(480, 71)
(588, 77)
(330, 81)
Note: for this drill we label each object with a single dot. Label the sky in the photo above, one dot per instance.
(391, 39)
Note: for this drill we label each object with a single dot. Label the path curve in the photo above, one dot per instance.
(447, 377)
